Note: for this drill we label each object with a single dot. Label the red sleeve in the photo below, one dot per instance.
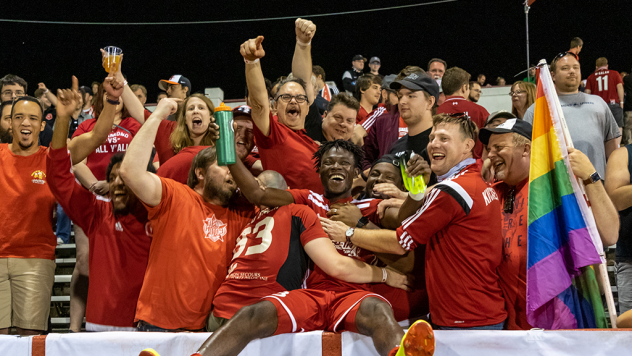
(168, 191)
(147, 114)
(162, 141)
(301, 196)
(78, 203)
(83, 128)
(368, 207)
(276, 136)
(617, 79)
(313, 228)
(249, 161)
(438, 211)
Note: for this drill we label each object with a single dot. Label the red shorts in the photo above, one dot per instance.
(310, 309)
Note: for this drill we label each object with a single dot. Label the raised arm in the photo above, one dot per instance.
(145, 185)
(302, 60)
(49, 95)
(606, 216)
(373, 240)
(324, 254)
(83, 145)
(618, 179)
(250, 188)
(131, 102)
(252, 51)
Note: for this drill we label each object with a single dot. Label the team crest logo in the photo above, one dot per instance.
(38, 177)
(49, 116)
(214, 229)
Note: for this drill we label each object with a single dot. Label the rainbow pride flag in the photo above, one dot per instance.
(562, 291)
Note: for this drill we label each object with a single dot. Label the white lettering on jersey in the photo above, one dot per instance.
(490, 195)
(118, 226)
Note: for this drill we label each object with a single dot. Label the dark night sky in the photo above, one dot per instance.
(477, 35)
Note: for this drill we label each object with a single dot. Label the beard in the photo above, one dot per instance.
(5, 137)
(214, 190)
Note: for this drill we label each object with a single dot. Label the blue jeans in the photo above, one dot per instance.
(498, 326)
(63, 225)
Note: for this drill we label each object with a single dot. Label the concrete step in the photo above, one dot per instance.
(63, 278)
(60, 298)
(66, 246)
(66, 261)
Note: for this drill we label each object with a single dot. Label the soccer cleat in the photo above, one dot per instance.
(149, 352)
(418, 341)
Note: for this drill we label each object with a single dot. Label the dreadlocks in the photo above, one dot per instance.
(358, 153)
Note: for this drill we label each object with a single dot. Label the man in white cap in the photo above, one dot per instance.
(177, 87)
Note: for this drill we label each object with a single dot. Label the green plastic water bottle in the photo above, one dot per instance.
(225, 146)
(415, 185)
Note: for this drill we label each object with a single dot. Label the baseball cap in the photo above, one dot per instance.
(374, 60)
(418, 82)
(175, 79)
(518, 126)
(386, 82)
(359, 57)
(499, 114)
(242, 110)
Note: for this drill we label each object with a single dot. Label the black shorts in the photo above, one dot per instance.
(617, 112)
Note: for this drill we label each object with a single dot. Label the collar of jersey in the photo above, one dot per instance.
(456, 169)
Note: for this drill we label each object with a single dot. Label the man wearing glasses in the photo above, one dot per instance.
(508, 162)
(283, 143)
(589, 119)
(475, 92)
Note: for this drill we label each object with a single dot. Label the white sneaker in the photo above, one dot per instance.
(60, 241)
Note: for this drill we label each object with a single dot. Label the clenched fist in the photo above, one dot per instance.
(305, 30)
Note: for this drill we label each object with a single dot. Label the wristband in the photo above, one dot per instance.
(47, 92)
(416, 197)
(124, 82)
(384, 275)
(113, 102)
(302, 43)
(251, 62)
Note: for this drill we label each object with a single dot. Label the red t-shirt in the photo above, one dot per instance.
(512, 271)
(320, 205)
(478, 114)
(163, 140)
(369, 120)
(119, 246)
(403, 128)
(26, 212)
(189, 256)
(178, 167)
(603, 82)
(118, 140)
(290, 153)
(268, 258)
(459, 223)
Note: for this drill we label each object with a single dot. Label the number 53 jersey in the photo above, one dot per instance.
(268, 257)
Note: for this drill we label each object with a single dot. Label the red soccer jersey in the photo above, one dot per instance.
(478, 114)
(268, 258)
(603, 82)
(368, 122)
(402, 128)
(290, 153)
(512, 271)
(118, 140)
(320, 205)
(26, 211)
(163, 140)
(178, 167)
(119, 246)
(189, 257)
(459, 223)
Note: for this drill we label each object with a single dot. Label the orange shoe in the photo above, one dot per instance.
(418, 341)
(149, 352)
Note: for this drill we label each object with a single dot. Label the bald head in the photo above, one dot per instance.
(272, 179)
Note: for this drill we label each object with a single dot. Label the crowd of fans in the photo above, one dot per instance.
(312, 227)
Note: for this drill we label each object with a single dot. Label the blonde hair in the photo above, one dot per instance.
(181, 137)
(530, 89)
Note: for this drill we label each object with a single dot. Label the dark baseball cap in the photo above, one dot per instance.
(386, 82)
(242, 110)
(499, 114)
(518, 126)
(375, 60)
(418, 82)
(359, 57)
(175, 79)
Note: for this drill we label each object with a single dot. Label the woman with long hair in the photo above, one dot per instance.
(195, 126)
(522, 96)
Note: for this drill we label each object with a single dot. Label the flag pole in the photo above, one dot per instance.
(526, 14)
(603, 268)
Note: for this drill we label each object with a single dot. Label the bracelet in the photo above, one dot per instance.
(416, 197)
(251, 62)
(302, 43)
(124, 82)
(384, 275)
(46, 91)
(113, 102)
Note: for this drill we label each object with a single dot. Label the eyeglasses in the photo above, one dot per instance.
(564, 54)
(517, 92)
(286, 98)
(10, 93)
(508, 205)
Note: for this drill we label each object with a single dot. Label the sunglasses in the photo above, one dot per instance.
(564, 54)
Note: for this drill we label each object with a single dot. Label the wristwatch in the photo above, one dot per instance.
(595, 177)
(349, 233)
(362, 221)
